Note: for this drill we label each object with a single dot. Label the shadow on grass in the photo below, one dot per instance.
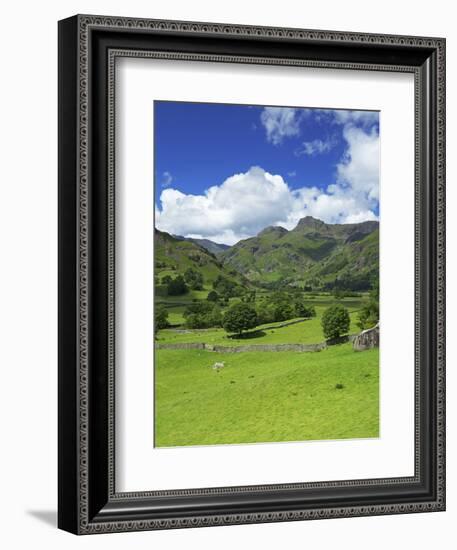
(340, 340)
(248, 335)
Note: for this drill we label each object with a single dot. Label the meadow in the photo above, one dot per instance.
(265, 397)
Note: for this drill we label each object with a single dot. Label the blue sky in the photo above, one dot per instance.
(226, 171)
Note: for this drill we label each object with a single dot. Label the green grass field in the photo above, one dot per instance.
(265, 397)
(307, 332)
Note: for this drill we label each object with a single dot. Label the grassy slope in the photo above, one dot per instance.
(174, 256)
(265, 397)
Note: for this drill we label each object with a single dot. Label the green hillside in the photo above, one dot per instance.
(173, 256)
(315, 254)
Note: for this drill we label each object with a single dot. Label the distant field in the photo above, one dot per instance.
(176, 305)
(261, 397)
(306, 332)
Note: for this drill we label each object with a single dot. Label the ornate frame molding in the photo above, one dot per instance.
(76, 512)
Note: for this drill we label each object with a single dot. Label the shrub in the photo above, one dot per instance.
(194, 279)
(335, 322)
(239, 317)
(160, 319)
(369, 314)
(308, 312)
(302, 310)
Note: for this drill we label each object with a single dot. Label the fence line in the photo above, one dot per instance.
(256, 347)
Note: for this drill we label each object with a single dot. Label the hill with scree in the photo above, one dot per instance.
(314, 254)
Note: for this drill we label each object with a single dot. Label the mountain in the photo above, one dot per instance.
(174, 255)
(210, 246)
(314, 253)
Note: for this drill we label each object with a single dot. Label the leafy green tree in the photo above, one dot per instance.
(160, 319)
(198, 307)
(213, 296)
(265, 313)
(226, 288)
(203, 315)
(369, 314)
(215, 318)
(177, 286)
(335, 322)
(302, 310)
(194, 279)
(283, 311)
(239, 317)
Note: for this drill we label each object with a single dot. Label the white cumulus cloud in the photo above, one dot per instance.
(360, 166)
(238, 208)
(246, 203)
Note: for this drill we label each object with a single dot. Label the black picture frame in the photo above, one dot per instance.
(88, 502)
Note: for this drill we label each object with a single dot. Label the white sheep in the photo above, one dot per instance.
(218, 366)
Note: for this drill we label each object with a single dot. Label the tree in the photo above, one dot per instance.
(335, 322)
(160, 319)
(166, 280)
(225, 287)
(202, 315)
(177, 286)
(265, 313)
(283, 311)
(194, 279)
(369, 314)
(302, 310)
(239, 317)
(213, 296)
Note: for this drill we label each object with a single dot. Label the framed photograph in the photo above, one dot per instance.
(251, 274)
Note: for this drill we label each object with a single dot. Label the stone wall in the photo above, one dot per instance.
(367, 339)
(189, 345)
(247, 347)
(302, 348)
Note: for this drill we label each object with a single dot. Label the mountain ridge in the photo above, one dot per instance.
(210, 246)
(313, 253)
